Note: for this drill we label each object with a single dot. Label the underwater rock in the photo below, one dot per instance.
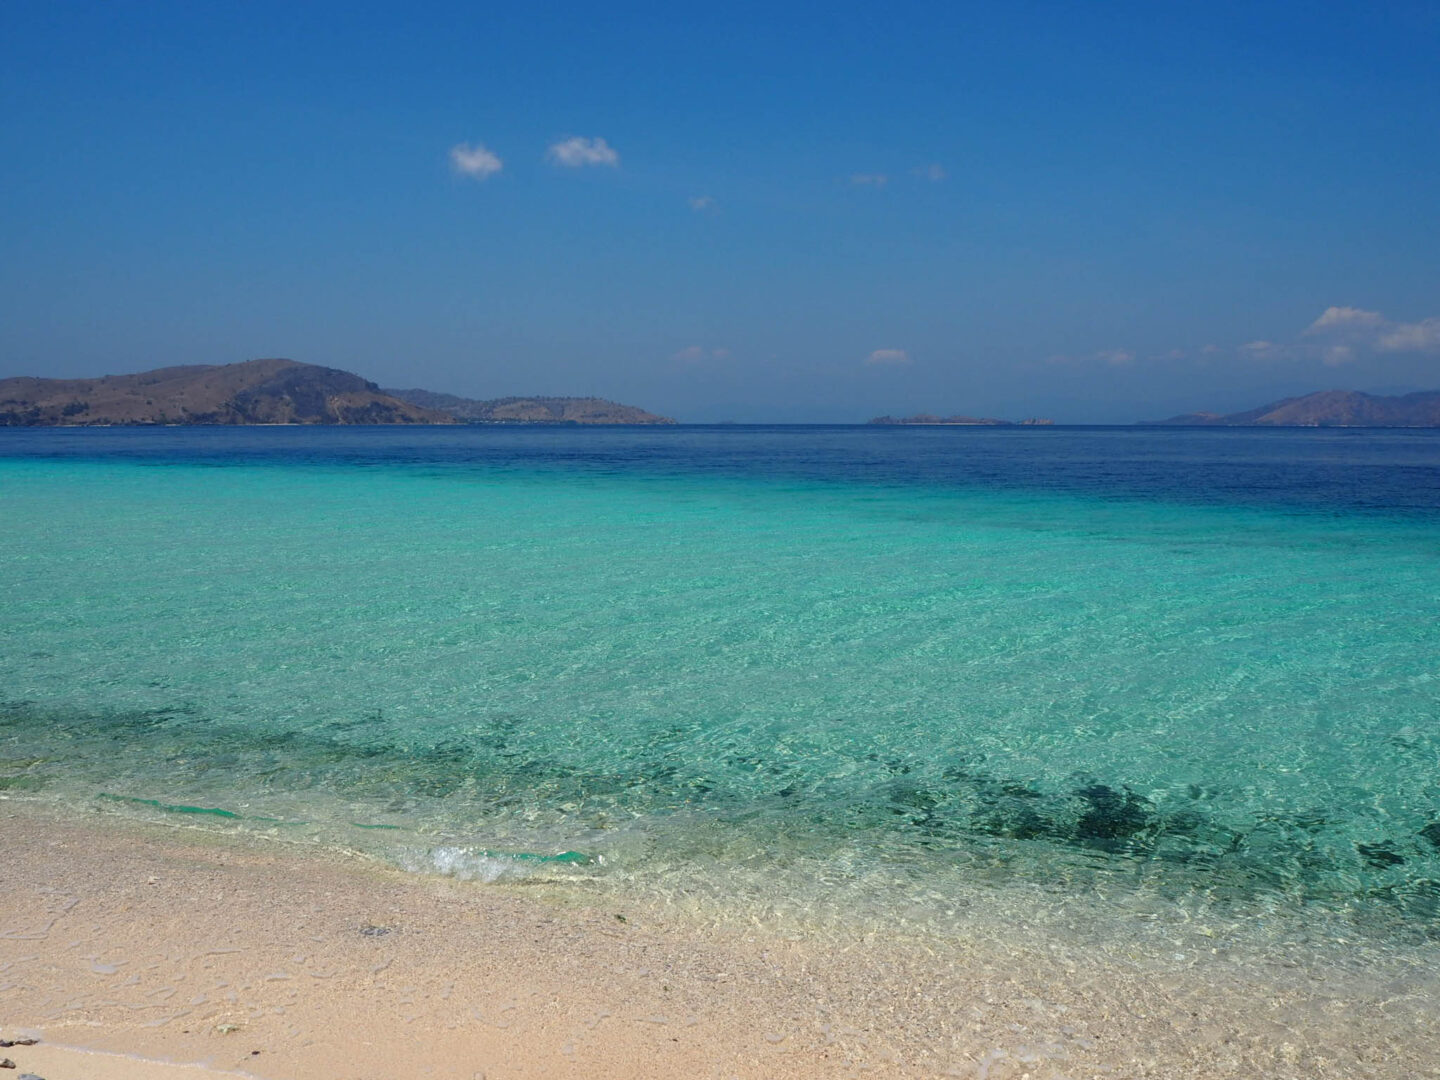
(1431, 832)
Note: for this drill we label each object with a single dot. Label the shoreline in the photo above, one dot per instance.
(193, 947)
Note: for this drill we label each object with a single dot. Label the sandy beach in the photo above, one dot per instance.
(123, 945)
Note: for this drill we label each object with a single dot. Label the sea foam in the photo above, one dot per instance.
(468, 864)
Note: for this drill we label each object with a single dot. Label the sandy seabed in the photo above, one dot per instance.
(137, 951)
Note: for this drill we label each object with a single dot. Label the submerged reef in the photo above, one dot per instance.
(502, 775)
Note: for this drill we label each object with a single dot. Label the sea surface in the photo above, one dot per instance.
(895, 674)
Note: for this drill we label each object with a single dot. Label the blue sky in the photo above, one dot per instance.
(1095, 212)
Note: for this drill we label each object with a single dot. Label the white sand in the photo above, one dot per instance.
(177, 946)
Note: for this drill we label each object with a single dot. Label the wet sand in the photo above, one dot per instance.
(139, 944)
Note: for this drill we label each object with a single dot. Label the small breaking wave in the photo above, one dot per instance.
(487, 867)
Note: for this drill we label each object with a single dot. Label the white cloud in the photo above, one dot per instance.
(934, 173)
(698, 354)
(475, 161)
(1355, 329)
(701, 203)
(1422, 336)
(888, 358)
(1341, 335)
(1345, 318)
(577, 151)
(875, 180)
(1262, 350)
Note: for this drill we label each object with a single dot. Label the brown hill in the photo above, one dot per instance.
(1328, 408)
(254, 392)
(531, 410)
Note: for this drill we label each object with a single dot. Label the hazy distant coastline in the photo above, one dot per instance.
(277, 391)
(1326, 408)
(926, 419)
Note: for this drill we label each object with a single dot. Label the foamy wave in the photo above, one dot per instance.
(477, 864)
(467, 864)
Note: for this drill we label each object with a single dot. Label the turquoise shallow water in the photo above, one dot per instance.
(1106, 666)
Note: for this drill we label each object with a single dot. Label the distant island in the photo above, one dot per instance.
(274, 392)
(530, 410)
(1328, 408)
(958, 421)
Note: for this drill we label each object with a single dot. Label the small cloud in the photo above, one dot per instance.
(701, 203)
(1116, 357)
(475, 161)
(888, 358)
(1275, 350)
(698, 354)
(1345, 318)
(1422, 336)
(933, 173)
(875, 180)
(1341, 335)
(575, 152)
(1356, 329)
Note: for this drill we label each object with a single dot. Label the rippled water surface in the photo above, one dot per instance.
(883, 665)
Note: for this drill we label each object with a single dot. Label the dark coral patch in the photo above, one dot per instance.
(1112, 818)
(1379, 855)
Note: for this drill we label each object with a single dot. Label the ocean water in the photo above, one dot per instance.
(1182, 674)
